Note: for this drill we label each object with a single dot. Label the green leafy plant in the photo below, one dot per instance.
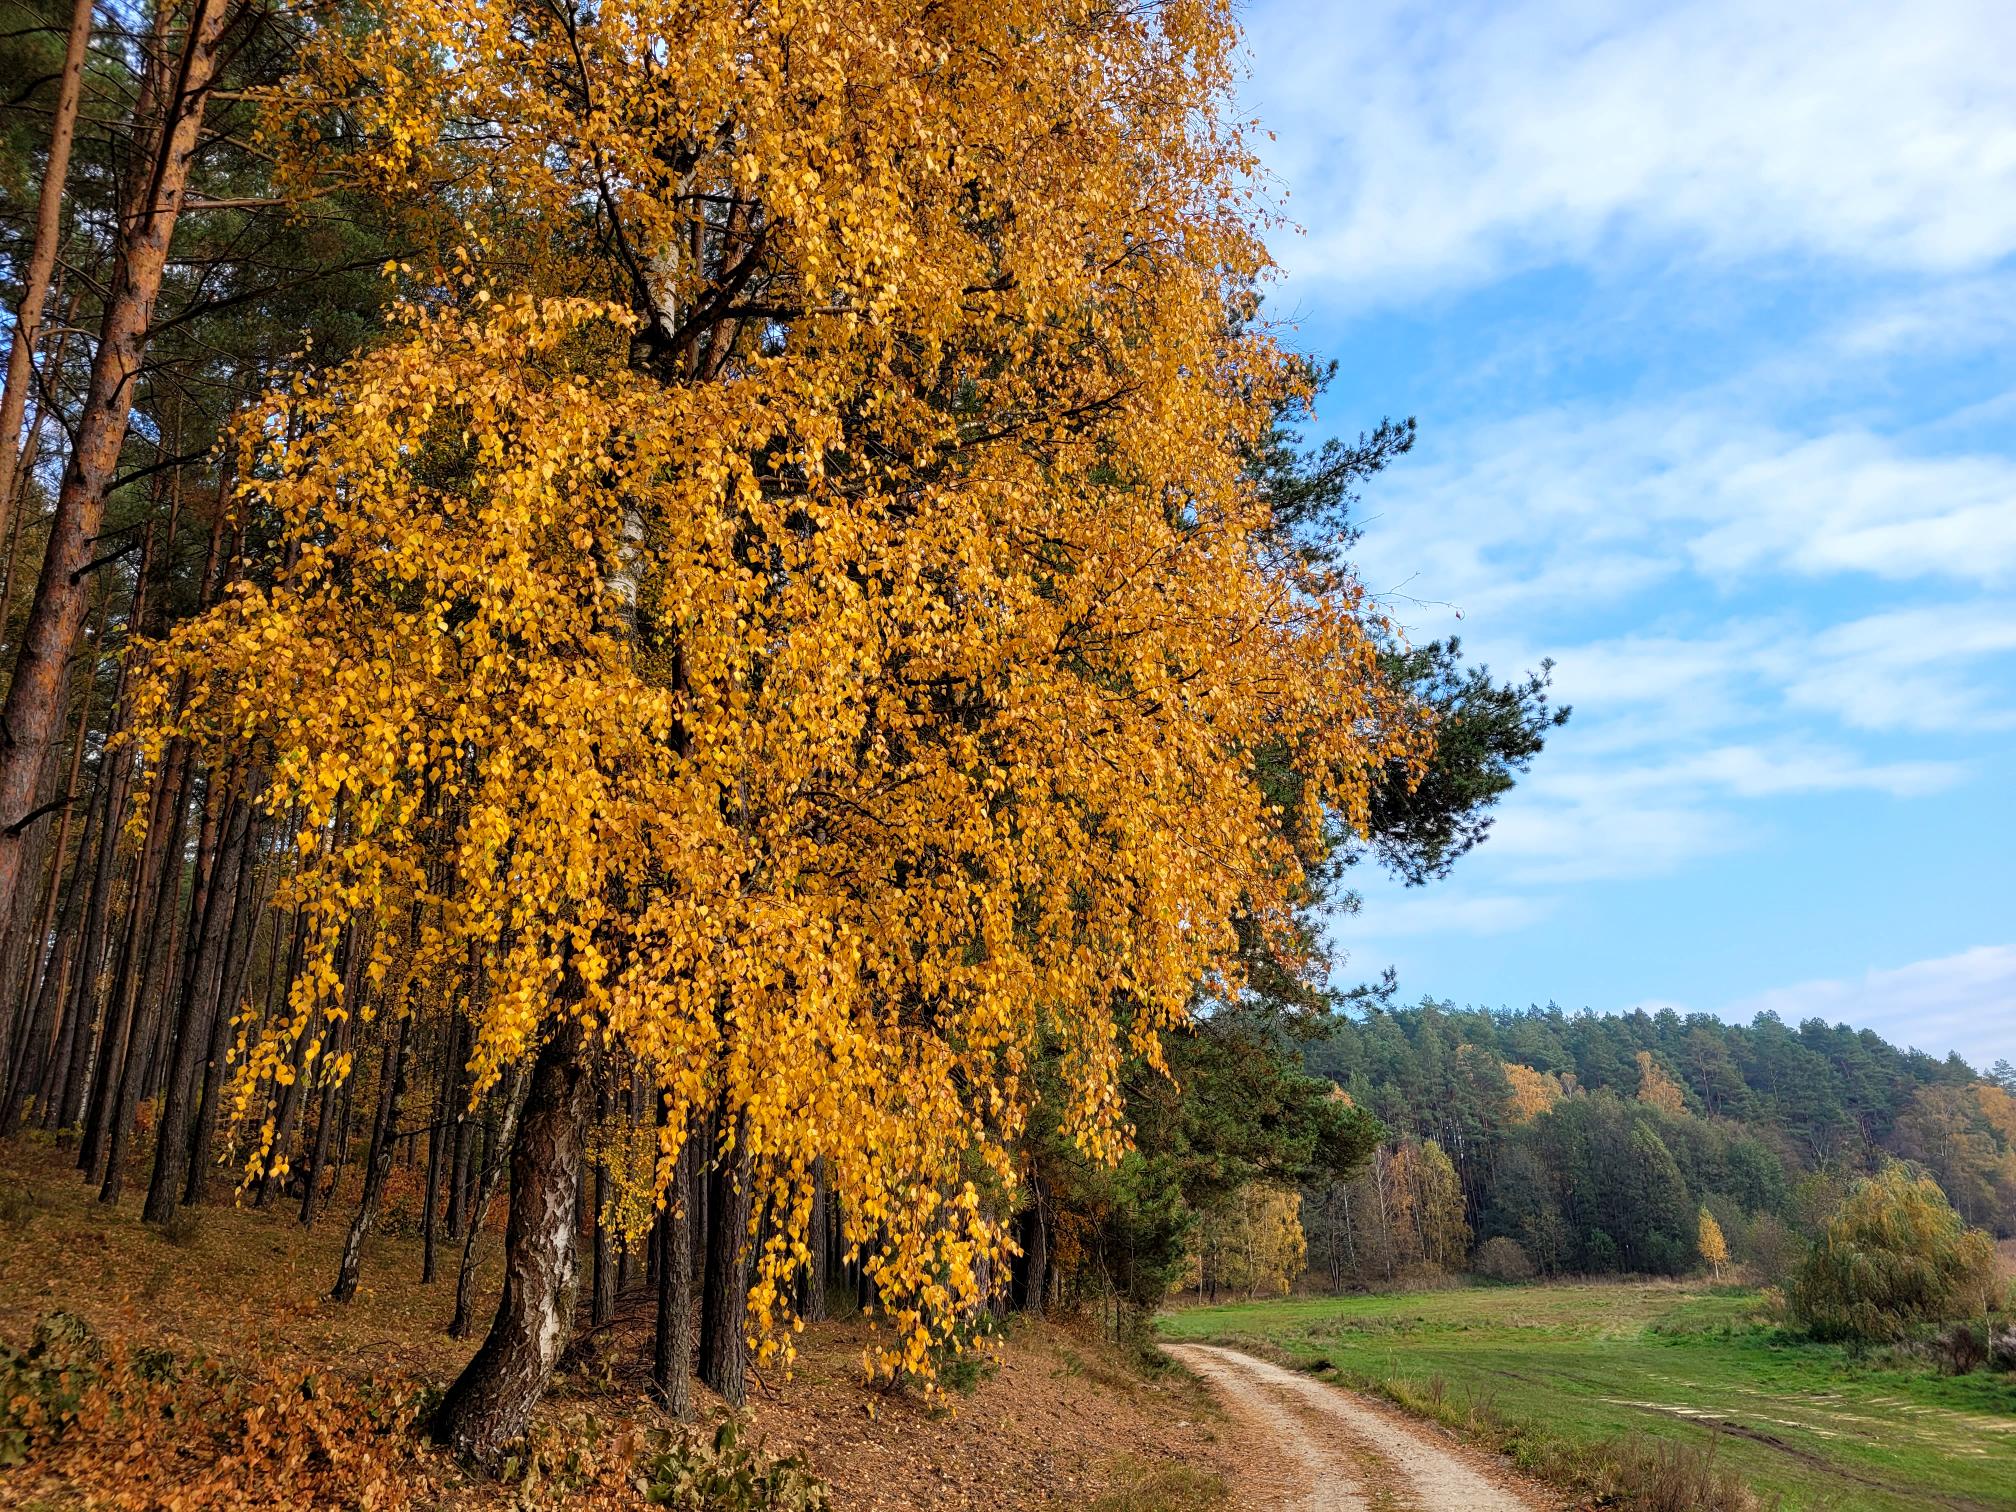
(43, 1386)
(726, 1475)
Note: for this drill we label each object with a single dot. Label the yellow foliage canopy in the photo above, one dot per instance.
(1658, 1089)
(811, 626)
(1533, 1092)
(1714, 1247)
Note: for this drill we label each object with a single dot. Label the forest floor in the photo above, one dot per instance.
(1057, 1419)
(1574, 1380)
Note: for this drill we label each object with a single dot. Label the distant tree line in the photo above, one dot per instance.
(1596, 1142)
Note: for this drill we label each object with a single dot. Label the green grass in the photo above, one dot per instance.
(1568, 1369)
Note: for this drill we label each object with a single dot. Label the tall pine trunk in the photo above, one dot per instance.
(724, 1317)
(140, 1062)
(42, 259)
(32, 715)
(672, 1344)
(199, 1003)
(240, 932)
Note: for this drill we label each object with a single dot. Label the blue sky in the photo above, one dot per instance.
(1708, 315)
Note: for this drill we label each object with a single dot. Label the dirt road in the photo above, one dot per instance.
(1317, 1448)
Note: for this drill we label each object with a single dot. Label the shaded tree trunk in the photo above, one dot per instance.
(33, 1069)
(391, 1092)
(490, 1404)
(446, 1086)
(602, 1292)
(238, 942)
(199, 1006)
(141, 1062)
(130, 1024)
(672, 1344)
(465, 1275)
(1035, 1242)
(818, 1269)
(724, 1349)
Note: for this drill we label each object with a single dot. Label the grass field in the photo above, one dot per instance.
(1570, 1367)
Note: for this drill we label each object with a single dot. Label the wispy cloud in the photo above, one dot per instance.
(1964, 1002)
(1434, 912)
(1912, 669)
(1579, 820)
(1574, 508)
(1449, 144)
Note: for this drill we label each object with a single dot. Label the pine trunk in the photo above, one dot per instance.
(32, 715)
(391, 1090)
(672, 1346)
(239, 930)
(724, 1347)
(171, 1148)
(42, 259)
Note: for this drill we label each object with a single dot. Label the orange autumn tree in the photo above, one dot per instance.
(785, 607)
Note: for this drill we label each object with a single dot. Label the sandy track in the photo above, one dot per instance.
(1321, 1449)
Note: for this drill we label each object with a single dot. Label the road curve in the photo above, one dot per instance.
(1318, 1448)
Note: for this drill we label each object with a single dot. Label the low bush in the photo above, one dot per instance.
(726, 1475)
(1771, 1250)
(2002, 1347)
(17, 1205)
(1962, 1349)
(1657, 1476)
(1502, 1259)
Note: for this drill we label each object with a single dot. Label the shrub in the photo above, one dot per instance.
(1894, 1256)
(1962, 1349)
(17, 1205)
(42, 1387)
(1771, 1250)
(1657, 1476)
(726, 1476)
(1502, 1259)
(2002, 1347)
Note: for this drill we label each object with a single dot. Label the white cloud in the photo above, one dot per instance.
(1567, 509)
(1958, 314)
(1771, 584)
(1911, 669)
(1429, 145)
(1964, 1002)
(1578, 820)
